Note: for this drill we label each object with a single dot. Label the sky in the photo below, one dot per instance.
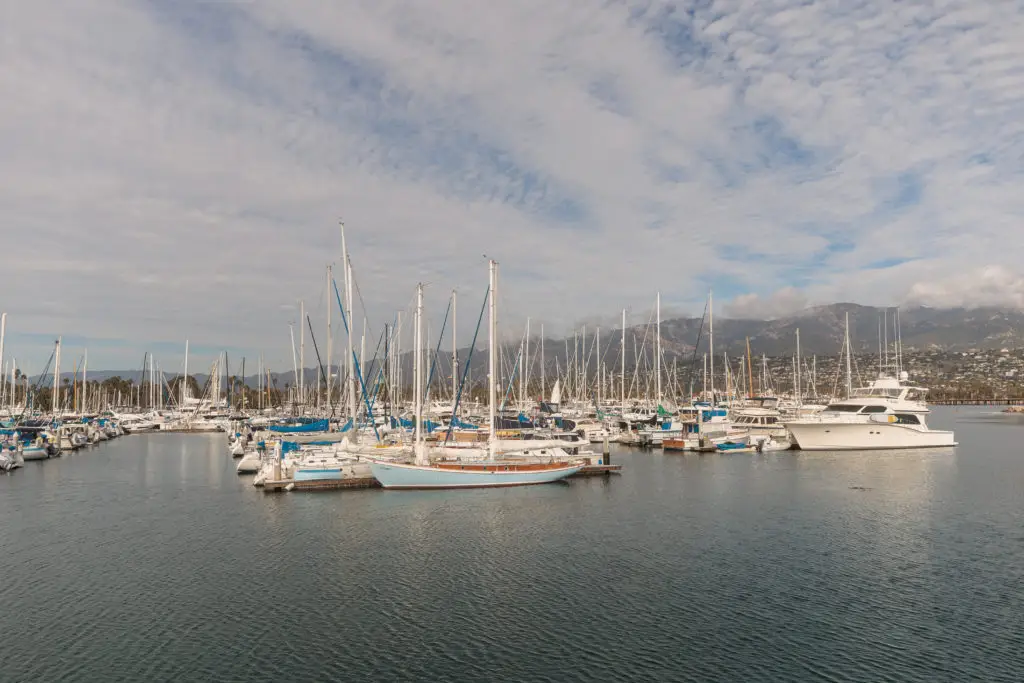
(178, 170)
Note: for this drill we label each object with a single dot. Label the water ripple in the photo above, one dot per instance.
(149, 559)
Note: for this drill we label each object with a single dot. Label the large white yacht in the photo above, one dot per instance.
(888, 413)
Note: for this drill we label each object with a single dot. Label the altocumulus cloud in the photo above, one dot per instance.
(175, 170)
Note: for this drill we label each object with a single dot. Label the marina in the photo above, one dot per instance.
(828, 557)
(503, 342)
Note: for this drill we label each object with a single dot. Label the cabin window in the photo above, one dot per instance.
(772, 420)
(873, 409)
(904, 419)
(842, 408)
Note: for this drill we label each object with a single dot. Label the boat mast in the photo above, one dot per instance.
(56, 380)
(492, 334)
(622, 379)
(526, 367)
(543, 372)
(455, 350)
(348, 305)
(657, 348)
(295, 367)
(899, 345)
(184, 386)
(711, 341)
(85, 385)
(417, 375)
(885, 329)
(362, 365)
(600, 376)
(849, 372)
(302, 353)
(581, 389)
(799, 387)
(750, 371)
(3, 332)
(330, 340)
(705, 396)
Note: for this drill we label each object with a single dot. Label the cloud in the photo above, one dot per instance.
(176, 170)
(989, 286)
(780, 303)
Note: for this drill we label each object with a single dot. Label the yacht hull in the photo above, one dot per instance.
(402, 476)
(825, 436)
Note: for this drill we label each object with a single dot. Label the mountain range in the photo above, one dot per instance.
(821, 333)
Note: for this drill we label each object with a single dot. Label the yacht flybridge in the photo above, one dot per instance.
(888, 413)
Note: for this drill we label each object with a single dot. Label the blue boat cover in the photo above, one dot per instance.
(318, 426)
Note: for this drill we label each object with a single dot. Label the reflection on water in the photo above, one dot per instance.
(148, 557)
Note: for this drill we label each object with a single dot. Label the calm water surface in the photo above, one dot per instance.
(148, 558)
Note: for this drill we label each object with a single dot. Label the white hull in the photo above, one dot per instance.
(847, 436)
(401, 476)
(250, 463)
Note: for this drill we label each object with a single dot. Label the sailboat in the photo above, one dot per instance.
(477, 468)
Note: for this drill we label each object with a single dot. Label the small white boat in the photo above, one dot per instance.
(250, 463)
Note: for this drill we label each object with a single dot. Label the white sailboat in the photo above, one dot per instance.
(475, 468)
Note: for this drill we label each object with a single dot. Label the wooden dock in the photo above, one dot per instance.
(321, 484)
(598, 471)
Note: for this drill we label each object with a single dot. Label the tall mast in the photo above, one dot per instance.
(705, 397)
(348, 305)
(885, 329)
(711, 341)
(455, 348)
(522, 374)
(492, 340)
(849, 372)
(295, 367)
(880, 367)
(599, 375)
(750, 371)
(302, 352)
(581, 389)
(85, 385)
(3, 333)
(543, 371)
(657, 348)
(526, 366)
(56, 380)
(799, 393)
(362, 360)
(622, 379)
(417, 374)
(184, 386)
(330, 340)
(899, 345)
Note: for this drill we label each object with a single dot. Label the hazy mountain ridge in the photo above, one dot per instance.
(821, 333)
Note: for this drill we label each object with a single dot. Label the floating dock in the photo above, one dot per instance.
(321, 484)
(598, 471)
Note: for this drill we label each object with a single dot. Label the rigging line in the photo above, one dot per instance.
(465, 371)
(319, 362)
(440, 338)
(696, 346)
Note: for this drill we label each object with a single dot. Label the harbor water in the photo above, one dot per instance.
(148, 558)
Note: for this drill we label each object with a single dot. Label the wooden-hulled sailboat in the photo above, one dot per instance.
(482, 471)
